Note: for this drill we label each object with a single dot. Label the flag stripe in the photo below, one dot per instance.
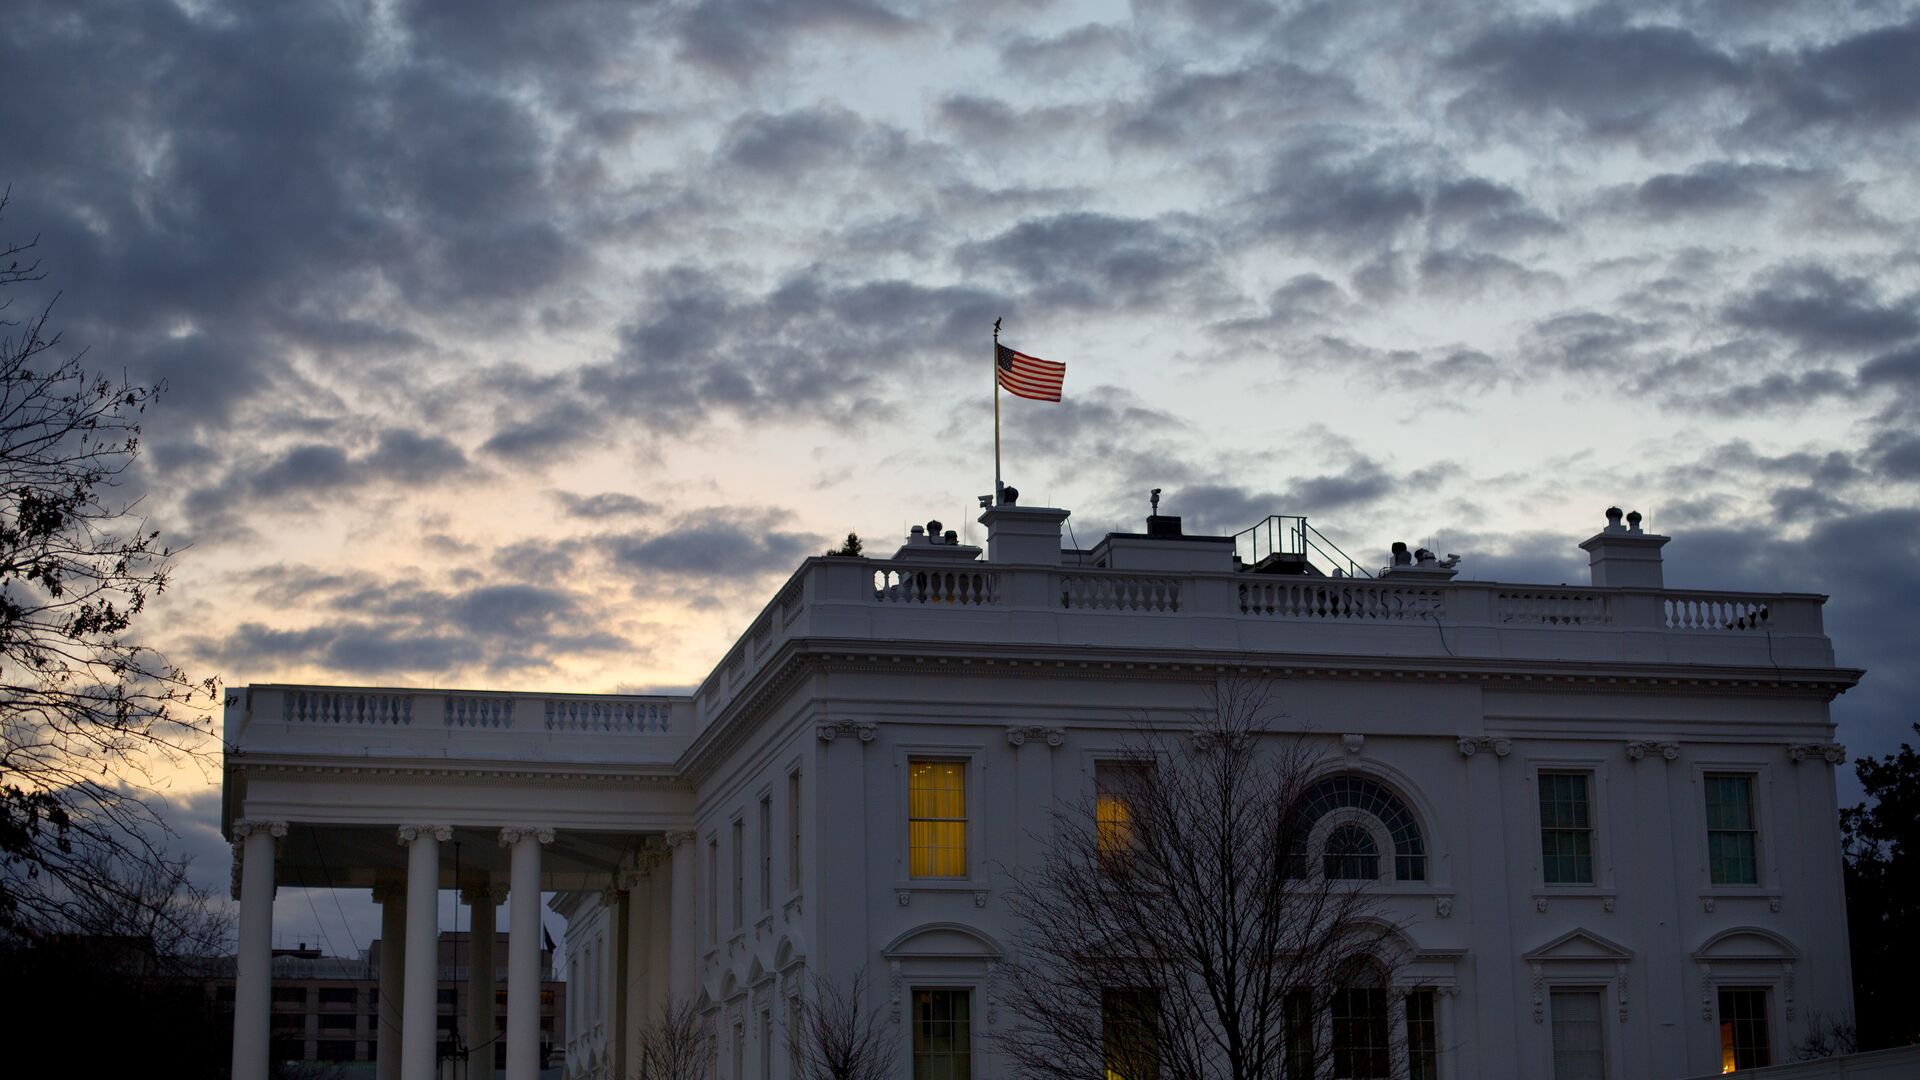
(1028, 376)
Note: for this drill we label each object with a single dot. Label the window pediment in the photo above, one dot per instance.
(1579, 945)
(943, 940)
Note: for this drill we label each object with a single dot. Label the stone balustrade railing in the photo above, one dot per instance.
(427, 710)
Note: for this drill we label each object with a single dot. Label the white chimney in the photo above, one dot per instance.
(1624, 556)
(1023, 534)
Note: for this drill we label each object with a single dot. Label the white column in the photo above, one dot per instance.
(481, 914)
(523, 952)
(392, 897)
(420, 1008)
(682, 978)
(640, 1005)
(253, 969)
(661, 944)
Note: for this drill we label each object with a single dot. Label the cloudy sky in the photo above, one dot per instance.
(522, 345)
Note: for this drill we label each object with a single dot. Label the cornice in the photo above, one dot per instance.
(579, 775)
(799, 657)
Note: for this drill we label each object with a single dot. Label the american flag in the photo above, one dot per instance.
(1029, 376)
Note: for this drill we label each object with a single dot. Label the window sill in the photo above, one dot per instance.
(1544, 894)
(903, 891)
(1711, 896)
(791, 908)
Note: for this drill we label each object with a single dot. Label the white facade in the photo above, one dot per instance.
(725, 846)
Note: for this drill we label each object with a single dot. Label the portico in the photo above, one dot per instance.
(408, 793)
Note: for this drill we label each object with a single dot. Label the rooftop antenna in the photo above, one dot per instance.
(1156, 502)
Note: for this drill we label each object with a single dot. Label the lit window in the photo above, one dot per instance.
(937, 818)
(1130, 1034)
(1732, 841)
(1566, 829)
(942, 1035)
(1118, 788)
(1577, 1053)
(1743, 1029)
(1351, 854)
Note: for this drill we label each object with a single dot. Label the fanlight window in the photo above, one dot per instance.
(1351, 854)
(1350, 851)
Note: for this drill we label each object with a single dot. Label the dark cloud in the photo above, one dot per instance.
(1864, 81)
(1580, 342)
(1100, 261)
(606, 504)
(788, 144)
(1711, 187)
(1608, 77)
(743, 37)
(1196, 109)
(398, 456)
(712, 543)
(1816, 308)
(700, 344)
(1046, 58)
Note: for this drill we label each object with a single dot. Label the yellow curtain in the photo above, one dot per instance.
(937, 818)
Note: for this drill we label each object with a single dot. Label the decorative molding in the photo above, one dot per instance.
(1706, 992)
(903, 896)
(1443, 906)
(1470, 745)
(513, 834)
(1831, 752)
(676, 837)
(836, 728)
(1706, 904)
(1620, 983)
(1018, 736)
(1540, 904)
(993, 992)
(1640, 748)
(1353, 743)
(1539, 993)
(1609, 903)
(409, 833)
(980, 898)
(893, 989)
(1773, 904)
(247, 826)
(1786, 981)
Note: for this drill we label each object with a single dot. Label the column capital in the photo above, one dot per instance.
(836, 728)
(1468, 745)
(677, 838)
(513, 834)
(409, 833)
(248, 826)
(1054, 737)
(1640, 748)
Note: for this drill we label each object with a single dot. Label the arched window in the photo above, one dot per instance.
(1350, 792)
(1351, 854)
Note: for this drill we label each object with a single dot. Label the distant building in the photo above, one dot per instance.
(328, 1009)
(1602, 816)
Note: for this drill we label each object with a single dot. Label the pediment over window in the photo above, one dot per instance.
(787, 954)
(1746, 943)
(1579, 945)
(943, 940)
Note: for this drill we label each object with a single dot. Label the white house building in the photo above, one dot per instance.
(1601, 816)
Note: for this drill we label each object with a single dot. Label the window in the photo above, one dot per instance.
(1369, 797)
(1577, 1054)
(1118, 787)
(739, 873)
(1743, 1029)
(942, 1035)
(1360, 1033)
(337, 995)
(1423, 1037)
(290, 995)
(739, 1052)
(1300, 1035)
(793, 832)
(1566, 829)
(937, 818)
(1351, 854)
(1130, 1034)
(1732, 842)
(766, 853)
(766, 1046)
(713, 891)
(337, 1022)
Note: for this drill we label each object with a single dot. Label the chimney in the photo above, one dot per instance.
(1624, 556)
(1023, 534)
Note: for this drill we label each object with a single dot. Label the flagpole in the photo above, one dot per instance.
(997, 486)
